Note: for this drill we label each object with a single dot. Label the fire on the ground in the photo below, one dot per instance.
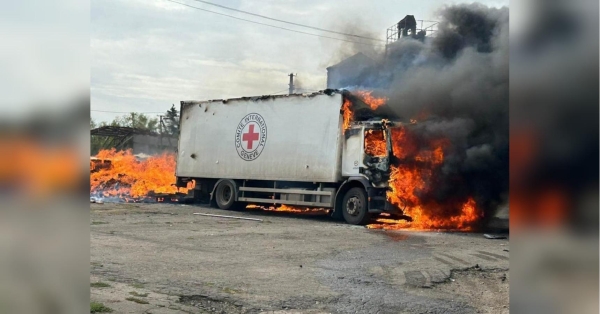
(121, 175)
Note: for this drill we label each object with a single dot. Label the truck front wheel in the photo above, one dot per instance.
(354, 207)
(225, 195)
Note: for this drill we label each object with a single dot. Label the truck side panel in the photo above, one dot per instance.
(301, 137)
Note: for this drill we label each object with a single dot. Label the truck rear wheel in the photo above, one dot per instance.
(354, 207)
(225, 195)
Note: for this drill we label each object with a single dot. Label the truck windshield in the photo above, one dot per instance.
(375, 143)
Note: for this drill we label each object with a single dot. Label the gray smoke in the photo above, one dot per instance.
(355, 45)
(458, 80)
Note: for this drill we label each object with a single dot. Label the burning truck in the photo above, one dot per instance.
(344, 152)
(309, 150)
(340, 152)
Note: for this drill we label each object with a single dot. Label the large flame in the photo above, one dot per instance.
(411, 176)
(129, 178)
(367, 97)
(347, 113)
(422, 221)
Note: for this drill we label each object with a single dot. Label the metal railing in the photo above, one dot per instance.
(429, 27)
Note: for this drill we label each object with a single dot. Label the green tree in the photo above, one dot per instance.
(171, 121)
(136, 120)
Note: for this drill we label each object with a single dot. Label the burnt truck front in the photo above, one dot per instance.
(367, 157)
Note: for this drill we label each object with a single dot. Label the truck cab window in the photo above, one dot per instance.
(375, 144)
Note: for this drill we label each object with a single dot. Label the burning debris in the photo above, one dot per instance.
(124, 177)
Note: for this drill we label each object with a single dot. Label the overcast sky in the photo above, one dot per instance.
(149, 54)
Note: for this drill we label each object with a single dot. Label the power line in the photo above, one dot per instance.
(127, 111)
(287, 22)
(259, 23)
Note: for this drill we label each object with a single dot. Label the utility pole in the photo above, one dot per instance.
(160, 125)
(161, 130)
(133, 119)
(291, 90)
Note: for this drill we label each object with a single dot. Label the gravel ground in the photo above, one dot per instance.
(160, 258)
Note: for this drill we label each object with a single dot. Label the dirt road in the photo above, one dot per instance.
(160, 258)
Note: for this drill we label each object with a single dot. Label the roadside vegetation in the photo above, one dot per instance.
(97, 307)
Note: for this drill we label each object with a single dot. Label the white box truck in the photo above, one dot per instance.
(290, 149)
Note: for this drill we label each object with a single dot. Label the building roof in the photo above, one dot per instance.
(119, 131)
(359, 58)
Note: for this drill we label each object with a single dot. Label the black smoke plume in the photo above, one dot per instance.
(456, 83)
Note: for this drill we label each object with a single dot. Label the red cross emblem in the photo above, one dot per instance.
(250, 137)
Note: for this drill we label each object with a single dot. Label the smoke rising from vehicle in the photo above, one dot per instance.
(455, 84)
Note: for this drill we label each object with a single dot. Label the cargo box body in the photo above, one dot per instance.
(280, 138)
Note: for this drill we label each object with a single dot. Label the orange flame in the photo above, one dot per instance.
(347, 113)
(422, 221)
(371, 101)
(289, 209)
(367, 98)
(413, 175)
(129, 178)
(375, 143)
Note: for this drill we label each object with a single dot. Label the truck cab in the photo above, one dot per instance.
(366, 155)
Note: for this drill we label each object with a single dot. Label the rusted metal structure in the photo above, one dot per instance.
(361, 70)
(139, 140)
(409, 26)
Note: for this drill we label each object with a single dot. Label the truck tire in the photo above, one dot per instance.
(355, 207)
(225, 195)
